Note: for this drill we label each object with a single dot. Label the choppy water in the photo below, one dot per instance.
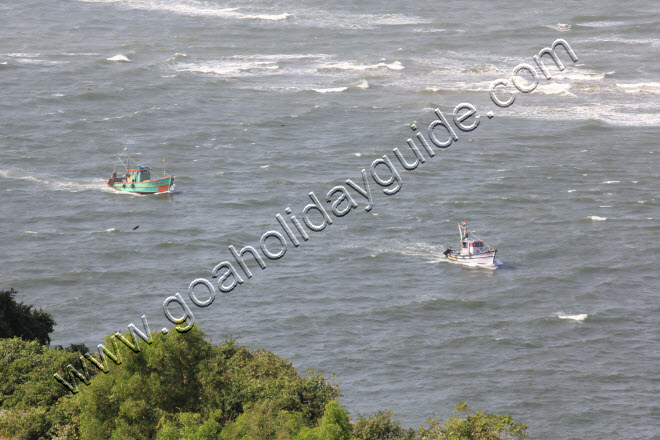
(256, 104)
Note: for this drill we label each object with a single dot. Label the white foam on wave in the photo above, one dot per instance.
(79, 54)
(553, 88)
(229, 67)
(119, 58)
(23, 55)
(329, 19)
(632, 119)
(595, 218)
(429, 31)
(483, 68)
(284, 56)
(177, 56)
(561, 27)
(193, 8)
(110, 230)
(578, 317)
(584, 76)
(640, 88)
(601, 23)
(37, 61)
(633, 115)
(391, 19)
(256, 64)
(611, 181)
(653, 42)
(454, 86)
(308, 65)
(352, 65)
(303, 16)
(331, 90)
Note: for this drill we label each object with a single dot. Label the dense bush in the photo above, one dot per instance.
(179, 386)
(473, 426)
(18, 319)
(381, 426)
(27, 389)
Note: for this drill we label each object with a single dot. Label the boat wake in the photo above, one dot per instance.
(91, 184)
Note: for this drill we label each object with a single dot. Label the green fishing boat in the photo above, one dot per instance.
(139, 180)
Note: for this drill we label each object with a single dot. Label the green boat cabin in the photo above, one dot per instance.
(141, 174)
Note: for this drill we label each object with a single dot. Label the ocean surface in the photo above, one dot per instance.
(256, 104)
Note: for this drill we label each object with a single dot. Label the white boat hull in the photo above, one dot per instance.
(480, 258)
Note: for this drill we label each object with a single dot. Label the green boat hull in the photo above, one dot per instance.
(148, 187)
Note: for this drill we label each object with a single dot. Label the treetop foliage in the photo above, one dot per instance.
(18, 319)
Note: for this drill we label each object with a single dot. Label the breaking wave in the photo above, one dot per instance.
(194, 9)
(331, 90)
(119, 57)
(352, 65)
(650, 87)
(228, 67)
(579, 317)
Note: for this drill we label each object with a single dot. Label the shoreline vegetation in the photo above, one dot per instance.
(182, 386)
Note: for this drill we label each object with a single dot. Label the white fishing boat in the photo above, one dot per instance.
(472, 250)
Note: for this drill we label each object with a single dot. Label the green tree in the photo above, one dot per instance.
(381, 426)
(473, 426)
(334, 425)
(264, 421)
(183, 385)
(18, 319)
(28, 393)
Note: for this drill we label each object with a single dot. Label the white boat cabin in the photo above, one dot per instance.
(471, 246)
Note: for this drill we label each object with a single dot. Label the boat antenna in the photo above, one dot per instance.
(122, 162)
(164, 168)
(462, 229)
